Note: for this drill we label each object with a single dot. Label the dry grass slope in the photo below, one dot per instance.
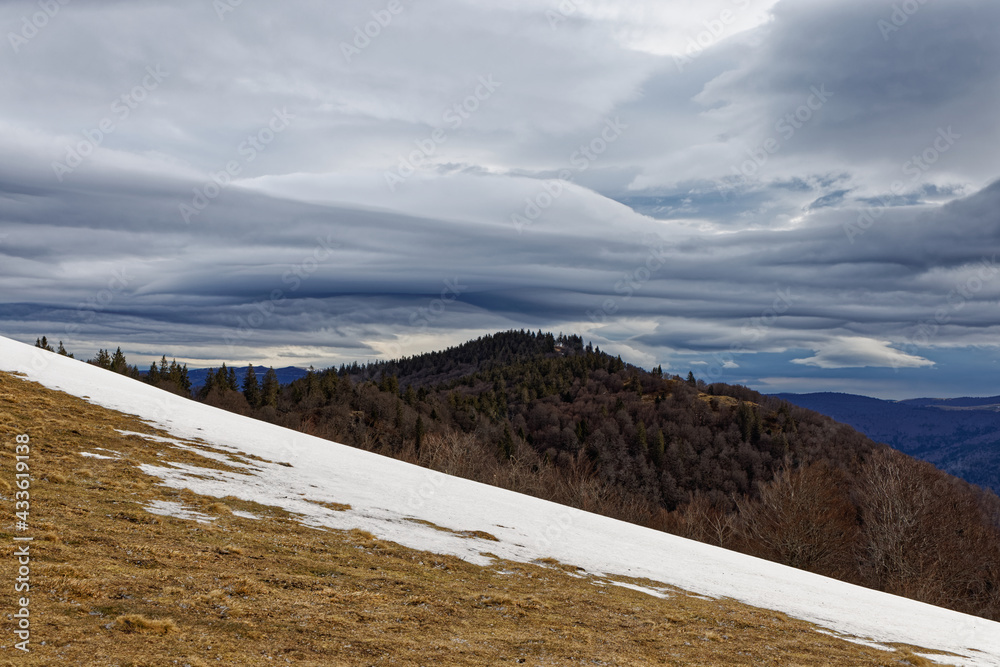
(116, 585)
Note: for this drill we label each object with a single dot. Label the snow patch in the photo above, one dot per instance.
(177, 510)
(655, 592)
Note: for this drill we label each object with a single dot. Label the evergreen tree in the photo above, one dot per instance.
(231, 380)
(118, 362)
(153, 376)
(103, 359)
(270, 388)
(506, 444)
(179, 376)
(210, 382)
(691, 379)
(659, 448)
(62, 351)
(389, 383)
(418, 433)
(313, 387)
(251, 388)
(44, 344)
(748, 420)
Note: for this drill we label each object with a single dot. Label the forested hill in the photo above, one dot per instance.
(492, 350)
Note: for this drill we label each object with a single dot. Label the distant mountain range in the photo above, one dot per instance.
(286, 375)
(959, 435)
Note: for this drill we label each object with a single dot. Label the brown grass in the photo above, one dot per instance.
(137, 623)
(336, 507)
(122, 587)
(480, 534)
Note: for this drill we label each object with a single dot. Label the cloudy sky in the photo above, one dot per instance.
(795, 195)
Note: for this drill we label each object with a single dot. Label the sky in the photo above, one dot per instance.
(797, 196)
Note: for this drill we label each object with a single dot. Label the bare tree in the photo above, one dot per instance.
(802, 518)
(891, 500)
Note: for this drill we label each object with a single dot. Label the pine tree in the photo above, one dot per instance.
(251, 388)
(62, 351)
(179, 375)
(153, 376)
(210, 382)
(506, 444)
(118, 362)
(270, 388)
(749, 422)
(691, 379)
(103, 359)
(418, 434)
(389, 383)
(313, 387)
(659, 448)
(231, 380)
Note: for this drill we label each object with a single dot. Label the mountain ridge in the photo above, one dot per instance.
(960, 436)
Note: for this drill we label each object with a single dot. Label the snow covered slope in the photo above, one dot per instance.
(385, 495)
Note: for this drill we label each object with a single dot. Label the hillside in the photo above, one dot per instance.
(960, 436)
(963, 403)
(178, 534)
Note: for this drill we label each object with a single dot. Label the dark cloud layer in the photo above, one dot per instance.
(696, 225)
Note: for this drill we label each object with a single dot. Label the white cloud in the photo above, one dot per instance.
(859, 352)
